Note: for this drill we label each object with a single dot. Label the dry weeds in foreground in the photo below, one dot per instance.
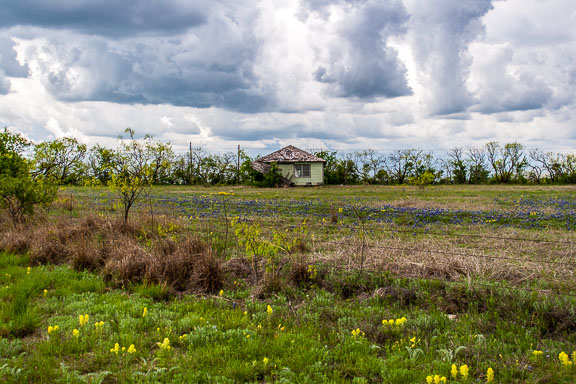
(143, 252)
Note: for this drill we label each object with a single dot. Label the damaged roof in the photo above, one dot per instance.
(289, 154)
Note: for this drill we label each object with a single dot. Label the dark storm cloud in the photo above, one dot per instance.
(209, 66)
(112, 18)
(362, 63)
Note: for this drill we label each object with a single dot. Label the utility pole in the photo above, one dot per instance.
(190, 164)
(238, 167)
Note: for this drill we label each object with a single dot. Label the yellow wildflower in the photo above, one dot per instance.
(116, 348)
(221, 292)
(437, 379)
(83, 319)
(357, 333)
(165, 344)
(489, 375)
(45, 292)
(429, 379)
(340, 210)
(269, 310)
(28, 270)
(75, 333)
(563, 357)
(536, 353)
(145, 312)
(131, 349)
(464, 371)
(454, 371)
(265, 360)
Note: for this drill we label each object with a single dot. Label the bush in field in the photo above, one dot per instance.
(20, 192)
(134, 166)
(425, 178)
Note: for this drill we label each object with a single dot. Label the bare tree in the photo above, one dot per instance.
(477, 169)
(458, 165)
(369, 164)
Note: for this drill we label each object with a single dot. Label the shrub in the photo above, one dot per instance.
(20, 192)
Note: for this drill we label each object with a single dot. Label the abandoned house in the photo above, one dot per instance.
(297, 167)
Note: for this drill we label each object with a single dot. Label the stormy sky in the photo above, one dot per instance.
(381, 74)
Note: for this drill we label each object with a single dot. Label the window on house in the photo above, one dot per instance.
(302, 170)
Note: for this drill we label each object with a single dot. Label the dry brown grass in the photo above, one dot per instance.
(458, 258)
(141, 251)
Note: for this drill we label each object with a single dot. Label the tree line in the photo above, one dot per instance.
(490, 163)
(30, 174)
(66, 161)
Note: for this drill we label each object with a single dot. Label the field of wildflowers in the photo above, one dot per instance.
(360, 285)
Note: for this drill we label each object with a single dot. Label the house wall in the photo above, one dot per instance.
(316, 173)
(287, 170)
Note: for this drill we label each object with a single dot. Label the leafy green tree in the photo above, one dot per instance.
(160, 156)
(20, 192)
(507, 162)
(100, 164)
(61, 160)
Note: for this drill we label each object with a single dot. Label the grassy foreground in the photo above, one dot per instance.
(64, 326)
(85, 301)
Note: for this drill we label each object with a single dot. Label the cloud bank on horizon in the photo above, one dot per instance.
(381, 74)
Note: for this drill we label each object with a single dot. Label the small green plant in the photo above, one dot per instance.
(448, 355)
(258, 247)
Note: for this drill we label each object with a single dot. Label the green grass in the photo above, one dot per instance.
(307, 337)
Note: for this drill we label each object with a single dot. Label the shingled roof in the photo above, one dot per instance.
(289, 154)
